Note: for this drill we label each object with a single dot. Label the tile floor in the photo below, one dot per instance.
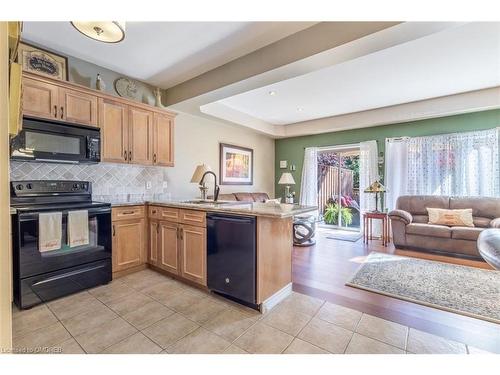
(147, 312)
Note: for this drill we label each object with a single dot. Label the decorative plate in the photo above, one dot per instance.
(126, 88)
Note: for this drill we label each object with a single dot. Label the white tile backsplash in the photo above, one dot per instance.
(109, 181)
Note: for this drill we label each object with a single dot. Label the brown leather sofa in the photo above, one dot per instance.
(410, 228)
(244, 197)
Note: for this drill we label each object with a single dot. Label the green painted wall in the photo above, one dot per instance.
(292, 149)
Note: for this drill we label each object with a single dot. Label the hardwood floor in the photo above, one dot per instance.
(322, 270)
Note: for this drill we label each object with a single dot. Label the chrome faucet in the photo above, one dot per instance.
(216, 187)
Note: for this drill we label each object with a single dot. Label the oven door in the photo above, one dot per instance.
(55, 142)
(29, 261)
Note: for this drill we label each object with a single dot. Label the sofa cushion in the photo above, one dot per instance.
(421, 219)
(260, 197)
(429, 230)
(225, 197)
(481, 206)
(244, 197)
(482, 222)
(417, 204)
(465, 233)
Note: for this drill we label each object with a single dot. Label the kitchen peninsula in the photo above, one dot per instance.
(177, 242)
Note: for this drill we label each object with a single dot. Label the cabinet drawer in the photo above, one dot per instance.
(193, 217)
(128, 212)
(170, 214)
(154, 212)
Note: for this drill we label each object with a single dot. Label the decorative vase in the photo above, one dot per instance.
(157, 94)
(99, 83)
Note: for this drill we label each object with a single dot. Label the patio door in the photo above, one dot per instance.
(338, 187)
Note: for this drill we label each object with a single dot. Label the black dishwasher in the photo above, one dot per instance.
(231, 256)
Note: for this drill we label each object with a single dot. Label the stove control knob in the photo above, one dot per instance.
(19, 187)
(29, 186)
(75, 186)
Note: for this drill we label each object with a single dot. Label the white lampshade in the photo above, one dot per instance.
(103, 31)
(286, 179)
(199, 172)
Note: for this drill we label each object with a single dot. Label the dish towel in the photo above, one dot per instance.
(49, 231)
(78, 228)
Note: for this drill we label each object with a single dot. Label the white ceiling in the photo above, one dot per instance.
(164, 53)
(461, 58)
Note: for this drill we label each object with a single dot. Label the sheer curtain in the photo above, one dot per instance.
(368, 173)
(396, 170)
(463, 164)
(309, 182)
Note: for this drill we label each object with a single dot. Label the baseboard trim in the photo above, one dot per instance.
(276, 298)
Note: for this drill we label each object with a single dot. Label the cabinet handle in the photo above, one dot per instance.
(153, 212)
(154, 158)
(128, 212)
(182, 234)
(125, 155)
(55, 111)
(130, 155)
(113, 230)
(157, 229)
(62, 112)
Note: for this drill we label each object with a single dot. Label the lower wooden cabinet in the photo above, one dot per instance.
(168, 245)
(129, 241)
(178, 248)
(193, 253)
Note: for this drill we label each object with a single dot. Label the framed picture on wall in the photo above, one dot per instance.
(37, 60)
(236, 165)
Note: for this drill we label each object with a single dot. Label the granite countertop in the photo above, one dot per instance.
(282, 210)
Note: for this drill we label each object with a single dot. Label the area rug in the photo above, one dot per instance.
(463, 290)
(351, 237)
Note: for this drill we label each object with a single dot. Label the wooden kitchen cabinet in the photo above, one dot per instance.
(40, 99)
(179, 248)
(168, 245)
(128, 244)
(51, 101)
(163, 140)
(113, 121)
(140, 136)
(77, 107)
(193, 253)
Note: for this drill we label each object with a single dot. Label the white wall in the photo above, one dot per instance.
(197, 141)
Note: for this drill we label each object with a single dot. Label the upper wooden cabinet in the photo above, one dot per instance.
(140, 136)
(163, 140)
(77, 107)
(130, 132)
(40, 99)
(113, 121)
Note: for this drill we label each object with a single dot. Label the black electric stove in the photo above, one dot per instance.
(44, 276)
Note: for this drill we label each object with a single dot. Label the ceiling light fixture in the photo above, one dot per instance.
(272, 93)
(103, 31)
(300, 109)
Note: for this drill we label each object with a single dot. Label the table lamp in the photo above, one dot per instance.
(376, 187)
(197, 175)
(287, 179)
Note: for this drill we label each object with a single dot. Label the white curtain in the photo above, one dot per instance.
(464, 164)
(396, 170)
(309, 182)
(368, 173)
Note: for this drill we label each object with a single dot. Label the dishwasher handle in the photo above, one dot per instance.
(232, 219)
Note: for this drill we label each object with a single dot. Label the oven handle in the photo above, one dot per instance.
(94, 211)
(64, 275)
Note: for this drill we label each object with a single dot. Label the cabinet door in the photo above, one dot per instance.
(40, 99)
(140, 136)
(193, 253)
(77, 107)
(128, 244)
(113, 121)
(167, 247)
(153, 243)
(163, 140)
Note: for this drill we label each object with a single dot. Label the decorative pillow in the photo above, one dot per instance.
(273, 201)
(452, 218)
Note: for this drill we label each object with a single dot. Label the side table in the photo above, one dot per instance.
(368, 217)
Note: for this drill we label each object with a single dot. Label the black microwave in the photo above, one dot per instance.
(56, 142)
